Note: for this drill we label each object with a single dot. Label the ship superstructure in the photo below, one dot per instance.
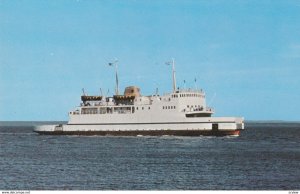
(181, 112)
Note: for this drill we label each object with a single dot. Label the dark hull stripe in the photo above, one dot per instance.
(144, 133)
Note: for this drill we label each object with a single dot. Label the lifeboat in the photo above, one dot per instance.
(91, 98)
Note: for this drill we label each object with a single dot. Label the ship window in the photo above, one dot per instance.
(188, 106)
(168, 107)
(142, 108)
(174, 107)
(149, 108)
(137, 108)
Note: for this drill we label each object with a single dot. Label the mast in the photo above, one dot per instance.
(173, 73)
(174, 78)
(116, 70)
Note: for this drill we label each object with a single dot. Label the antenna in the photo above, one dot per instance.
(101, 92)
(116, 69)
(195, 83)
(83, 93)
(173, 73)
(212, 99)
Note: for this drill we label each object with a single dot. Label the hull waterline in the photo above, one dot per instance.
(145, 133)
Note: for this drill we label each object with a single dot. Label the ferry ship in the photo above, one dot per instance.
(182, 112)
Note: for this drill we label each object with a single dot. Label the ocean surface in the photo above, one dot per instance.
(266, 156)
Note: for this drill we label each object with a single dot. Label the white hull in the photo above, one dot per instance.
(228, 126)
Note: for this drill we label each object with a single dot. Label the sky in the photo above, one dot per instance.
(244, 54)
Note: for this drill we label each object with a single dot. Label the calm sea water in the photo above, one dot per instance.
(265, 157)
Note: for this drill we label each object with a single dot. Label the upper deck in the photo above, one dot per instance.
(188, 101)
(132, 106)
